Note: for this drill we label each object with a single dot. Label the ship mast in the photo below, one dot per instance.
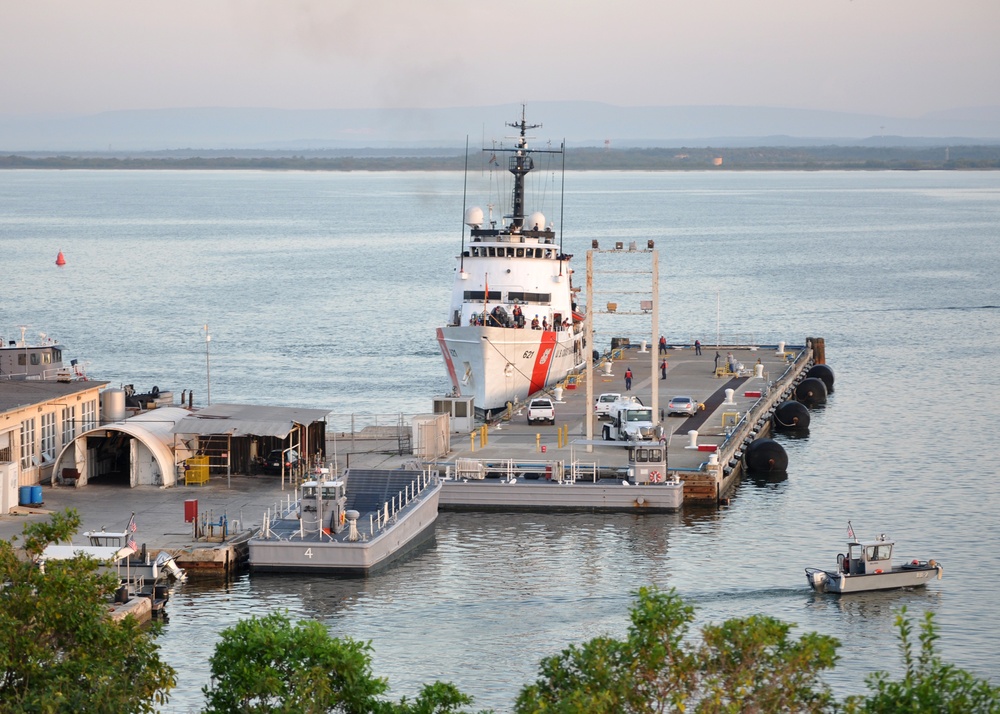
(519, 164)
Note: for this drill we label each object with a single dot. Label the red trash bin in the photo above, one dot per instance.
(191, 510)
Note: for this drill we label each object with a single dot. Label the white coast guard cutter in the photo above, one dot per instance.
(512, 326)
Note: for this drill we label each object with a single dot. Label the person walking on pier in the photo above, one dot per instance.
(717, 355)
(663, 369)
(697, 347)
(663, 345)
(628, 379)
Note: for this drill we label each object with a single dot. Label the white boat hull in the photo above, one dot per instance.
(827, 581)
(497, 365)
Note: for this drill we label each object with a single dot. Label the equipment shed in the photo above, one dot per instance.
(138, 451)
(239, 436)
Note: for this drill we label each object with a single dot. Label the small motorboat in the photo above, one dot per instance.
(868, 565)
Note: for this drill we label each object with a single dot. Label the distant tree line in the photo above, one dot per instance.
(812, 158)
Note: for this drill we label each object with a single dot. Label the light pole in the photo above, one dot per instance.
(208, 367)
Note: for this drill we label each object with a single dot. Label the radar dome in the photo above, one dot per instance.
(474, 216)
(535, 220)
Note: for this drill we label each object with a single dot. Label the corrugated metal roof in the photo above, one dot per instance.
(247, 420)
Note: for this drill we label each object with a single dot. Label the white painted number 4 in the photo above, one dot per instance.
(308, 553)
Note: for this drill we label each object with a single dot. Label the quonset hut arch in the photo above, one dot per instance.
(99, 452)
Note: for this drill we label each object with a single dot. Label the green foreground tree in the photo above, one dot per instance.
(929, 686)
(743, 665)
(269, 665)
(59, 650)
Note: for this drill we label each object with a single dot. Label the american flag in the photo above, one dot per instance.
(850, 531)
(132, 527)
(131, 544)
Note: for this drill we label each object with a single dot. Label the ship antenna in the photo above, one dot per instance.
(465, 193)
(562, 202)
(520, 165)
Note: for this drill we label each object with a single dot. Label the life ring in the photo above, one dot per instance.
(878, 571)
(655, 476)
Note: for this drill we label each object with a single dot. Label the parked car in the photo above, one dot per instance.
(682, 405)
(274, 460)
(602, 405)
(541, 409)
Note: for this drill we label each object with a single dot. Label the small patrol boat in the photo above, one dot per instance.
(868, 565)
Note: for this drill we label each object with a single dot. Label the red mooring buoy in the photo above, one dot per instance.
(60, 259)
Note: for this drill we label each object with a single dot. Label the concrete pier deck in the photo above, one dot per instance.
(718, 424)
(159, 515)
(160, 512)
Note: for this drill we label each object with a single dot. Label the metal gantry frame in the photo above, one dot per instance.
(654, 273)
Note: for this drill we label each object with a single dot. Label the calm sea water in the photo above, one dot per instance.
(323, 290)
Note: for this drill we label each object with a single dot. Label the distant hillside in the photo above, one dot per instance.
(579, 123)
(901, 158)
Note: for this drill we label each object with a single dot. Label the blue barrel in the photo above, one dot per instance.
(24, 495)
(36, 494)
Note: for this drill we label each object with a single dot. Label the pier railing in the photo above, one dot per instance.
(756, 416)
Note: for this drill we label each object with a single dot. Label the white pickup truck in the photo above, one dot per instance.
(541, 409)
(630, 421)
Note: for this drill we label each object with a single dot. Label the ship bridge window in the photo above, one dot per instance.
(879, 552)
(540, 298)
(479, 296)
(492, 252)
(520, 253)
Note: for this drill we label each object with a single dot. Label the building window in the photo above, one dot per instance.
(28, 444)
(68, 424)
(89, 414)
(49, 435)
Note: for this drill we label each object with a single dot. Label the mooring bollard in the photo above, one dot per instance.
(729, 397)
(692, 439)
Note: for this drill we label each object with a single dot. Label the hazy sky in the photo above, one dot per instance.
(892, 57)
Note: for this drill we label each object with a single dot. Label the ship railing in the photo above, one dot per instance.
(583, 471)
(411, 492)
